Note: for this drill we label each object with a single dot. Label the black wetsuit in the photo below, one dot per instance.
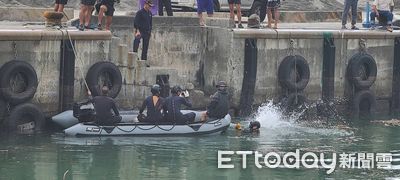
(153, 111)
(219, 105)
(172, 110)
(103, 106)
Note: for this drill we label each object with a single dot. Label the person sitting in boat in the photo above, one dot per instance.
(219, 105)
(153, 104)
(103, 106)
(172, 107)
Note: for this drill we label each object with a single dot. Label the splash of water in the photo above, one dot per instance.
(271, 117)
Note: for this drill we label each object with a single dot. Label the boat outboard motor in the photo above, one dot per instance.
(84, 111)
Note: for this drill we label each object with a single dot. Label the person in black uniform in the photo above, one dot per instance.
(103, 106)
(105, 7)
(168, 8)
(153, 104)
(219, 105)
(172, 107)
(59, 5)
(143, 24)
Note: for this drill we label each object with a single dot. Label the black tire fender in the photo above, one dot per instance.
(298, 65)
(25, 113)
(96, 71)
(23, 70)
(362, 100)
(362, 70)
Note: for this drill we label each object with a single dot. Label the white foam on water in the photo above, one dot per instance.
(272, 118)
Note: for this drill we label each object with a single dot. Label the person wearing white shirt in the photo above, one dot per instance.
(383, 9)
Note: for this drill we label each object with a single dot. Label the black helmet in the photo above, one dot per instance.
(176, 89)
(254, 124)
(155, 89)
(221, 84)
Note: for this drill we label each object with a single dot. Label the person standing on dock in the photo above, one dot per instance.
(168, 7)
(105, 7)
(143, 24)
(85, 14)
(204, 5)
(383, 9)
(59, 5)
(273, 7)
(347, 5)
(232, 4)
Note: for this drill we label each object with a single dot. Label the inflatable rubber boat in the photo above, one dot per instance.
(66, 119)
(134, 129)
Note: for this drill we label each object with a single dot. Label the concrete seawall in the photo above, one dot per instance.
(197, 58)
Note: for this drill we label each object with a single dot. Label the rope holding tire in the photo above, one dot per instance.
(99, 70)
(294, 101)
(18, 82)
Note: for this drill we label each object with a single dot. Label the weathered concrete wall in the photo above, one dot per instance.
(44, 56)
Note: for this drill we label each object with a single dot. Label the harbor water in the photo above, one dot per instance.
(54, 156)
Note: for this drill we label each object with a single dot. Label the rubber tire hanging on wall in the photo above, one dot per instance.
(96, 71)
(11, 69)
(362, 80)
(298, 65)
(359, 100)
(25, 113)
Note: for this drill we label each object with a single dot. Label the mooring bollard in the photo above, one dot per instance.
(53, 18)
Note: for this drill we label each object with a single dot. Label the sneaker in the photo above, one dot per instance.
(99, 27)
(81, 27)
(240, 25)
(88, 27)
(344, 27)
(389, 28)
(354, 28)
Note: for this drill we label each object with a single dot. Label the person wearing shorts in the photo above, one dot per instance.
(202, 6)
(272, 6)
(105, 7)
(232, 4)
(85, 14)
(59, 5)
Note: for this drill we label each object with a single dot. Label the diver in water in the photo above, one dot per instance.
(254, 127)
(153, 104)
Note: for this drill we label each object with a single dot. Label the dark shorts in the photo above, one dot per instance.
(205, 5)
(110, 8)
(88, 2)
(274, 4)
(234, 2)
(63, 2)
